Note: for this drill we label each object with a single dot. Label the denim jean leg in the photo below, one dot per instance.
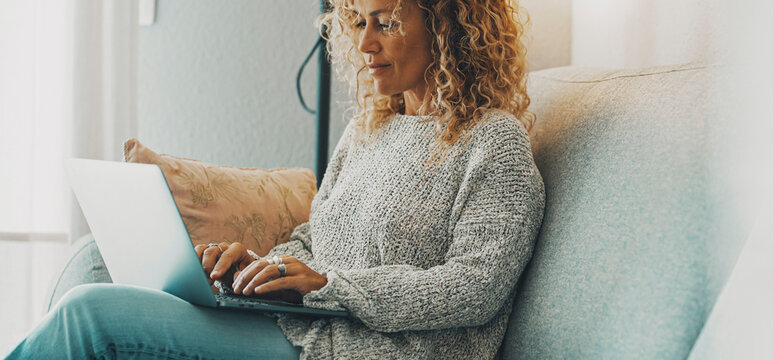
(117, 321)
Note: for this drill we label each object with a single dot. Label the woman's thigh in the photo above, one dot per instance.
(103, 320)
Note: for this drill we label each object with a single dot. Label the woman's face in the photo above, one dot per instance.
(396, 62)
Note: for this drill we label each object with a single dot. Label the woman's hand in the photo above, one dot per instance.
(261, 278)
(217, 260)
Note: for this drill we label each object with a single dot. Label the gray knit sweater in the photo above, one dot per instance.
(426, 259)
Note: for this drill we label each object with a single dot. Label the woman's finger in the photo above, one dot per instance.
(210, 255)
(289, 260)
(283, 259)
(232, 254)
(238, 277)
(266, 274)
(283, 283)
(247, 274)
(269, 272)
(251, 269)
(200, 250)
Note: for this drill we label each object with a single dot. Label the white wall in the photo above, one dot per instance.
(217, 82)
(627, 33)
(550, 34)
(639, 33)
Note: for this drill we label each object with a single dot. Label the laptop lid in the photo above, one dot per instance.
(138, 228)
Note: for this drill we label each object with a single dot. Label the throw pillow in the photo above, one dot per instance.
(257, 207)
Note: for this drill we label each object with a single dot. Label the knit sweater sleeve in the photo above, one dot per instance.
(498, 211)
(299, 243)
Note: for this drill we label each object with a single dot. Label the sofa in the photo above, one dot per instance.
(642, 224)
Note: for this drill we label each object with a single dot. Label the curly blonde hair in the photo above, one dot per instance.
(479, 63)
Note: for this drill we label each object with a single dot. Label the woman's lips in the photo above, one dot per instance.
(378, 69)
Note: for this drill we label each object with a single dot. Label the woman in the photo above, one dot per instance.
(423, 223)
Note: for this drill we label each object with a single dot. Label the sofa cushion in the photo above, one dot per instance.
(257, 207)
(640, 230)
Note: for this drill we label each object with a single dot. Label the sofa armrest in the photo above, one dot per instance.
(85, 266)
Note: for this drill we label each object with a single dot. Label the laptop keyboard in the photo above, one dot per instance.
(247, 301)
(227, 298)
(227, 295)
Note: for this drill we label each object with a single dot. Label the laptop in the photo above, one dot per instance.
(143, 240)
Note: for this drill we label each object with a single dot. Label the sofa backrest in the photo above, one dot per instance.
(640, 229)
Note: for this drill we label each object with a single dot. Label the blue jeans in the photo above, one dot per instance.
(107, 321)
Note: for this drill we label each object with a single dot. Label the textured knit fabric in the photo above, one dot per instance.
(425, 257)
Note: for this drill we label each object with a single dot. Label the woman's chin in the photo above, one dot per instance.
(383, 89)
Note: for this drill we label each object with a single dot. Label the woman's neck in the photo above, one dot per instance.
(413, 101)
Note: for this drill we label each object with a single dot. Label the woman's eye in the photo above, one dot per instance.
(386, 26)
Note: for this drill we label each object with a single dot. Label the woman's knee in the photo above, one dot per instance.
(87, 294)
(101, 311)
(108, 302)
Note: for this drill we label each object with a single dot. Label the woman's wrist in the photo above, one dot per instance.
(321, 283)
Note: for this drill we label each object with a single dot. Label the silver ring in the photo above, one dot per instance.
(277, 260)
(282, 269)
(213, 245)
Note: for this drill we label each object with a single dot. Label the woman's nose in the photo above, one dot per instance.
(368, 42)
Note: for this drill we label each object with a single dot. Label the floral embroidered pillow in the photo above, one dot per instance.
(257, 207)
